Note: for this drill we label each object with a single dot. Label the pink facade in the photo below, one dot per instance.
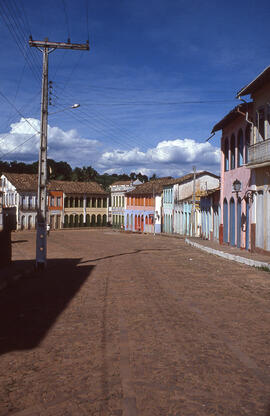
(235, 209)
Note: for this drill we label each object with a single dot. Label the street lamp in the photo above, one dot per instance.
(237, 187)
(65, 109)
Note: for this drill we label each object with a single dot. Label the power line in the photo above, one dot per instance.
(66, 18)
(12, 118)
(87, 20)
(18, 111)
(13, 28)
(19, 145)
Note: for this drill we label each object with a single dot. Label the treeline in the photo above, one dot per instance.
(63, 171)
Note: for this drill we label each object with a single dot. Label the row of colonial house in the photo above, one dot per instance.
(70, 204)
(233, 209)
(162, 205)
(236, 211)
(245, 169)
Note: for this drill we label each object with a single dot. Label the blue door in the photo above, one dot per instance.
(247, 225)
(232, 222)
(225, 221)
(239, 223)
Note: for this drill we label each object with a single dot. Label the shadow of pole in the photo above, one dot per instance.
(30, 308)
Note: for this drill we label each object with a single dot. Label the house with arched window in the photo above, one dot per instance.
(235, 206)
(144, 206)
(20, 199)
(84, 204)
(258, 159)
(181, 213)
(118, 201)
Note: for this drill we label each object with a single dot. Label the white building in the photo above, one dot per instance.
(20, 199)
(118, 201)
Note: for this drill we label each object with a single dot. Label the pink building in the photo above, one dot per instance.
(235, 206)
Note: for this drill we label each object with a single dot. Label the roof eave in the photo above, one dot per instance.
(255, 83)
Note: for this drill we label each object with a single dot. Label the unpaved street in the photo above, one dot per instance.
(124, 324)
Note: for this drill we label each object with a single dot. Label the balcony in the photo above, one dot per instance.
(259, 154)
(25, 207)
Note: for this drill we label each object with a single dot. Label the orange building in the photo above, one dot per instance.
(55, 206)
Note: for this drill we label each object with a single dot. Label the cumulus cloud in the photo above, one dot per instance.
(18, 144)
(170, 157)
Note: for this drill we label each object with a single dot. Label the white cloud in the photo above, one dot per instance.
(168, 157)
(68, 145)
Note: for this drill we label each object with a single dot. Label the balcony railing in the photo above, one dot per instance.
(259, 153)
(26, 207)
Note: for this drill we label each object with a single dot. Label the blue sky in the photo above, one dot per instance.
(158, 76)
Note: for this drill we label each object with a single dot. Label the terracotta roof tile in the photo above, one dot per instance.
(148, 187)
(27, 182)
(122, 183)
(69, 187)
(23, 181)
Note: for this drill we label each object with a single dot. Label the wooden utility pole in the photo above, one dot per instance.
(45, 47)
(193, 202)
(154, 202)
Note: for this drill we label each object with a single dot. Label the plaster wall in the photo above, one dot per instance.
(241, 173)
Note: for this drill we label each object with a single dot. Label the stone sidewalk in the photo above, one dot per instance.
(230, 253)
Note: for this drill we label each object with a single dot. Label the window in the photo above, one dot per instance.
(260, 116)
(233, 152)
(52, 201)
(226, 155)
(240, 148)
(247, 143)
(58, 201)
(268, 121)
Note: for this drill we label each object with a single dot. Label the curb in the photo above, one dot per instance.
(228, 256)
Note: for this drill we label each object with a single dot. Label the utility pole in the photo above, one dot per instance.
(45, 47)
(154, 202)
(193, 202)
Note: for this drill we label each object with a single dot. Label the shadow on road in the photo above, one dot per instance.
(125, 254)
(29, 308)
(19, 241)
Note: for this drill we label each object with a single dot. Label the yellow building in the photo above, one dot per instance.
(85, 203)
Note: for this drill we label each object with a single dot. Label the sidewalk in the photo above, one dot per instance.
(230, 253)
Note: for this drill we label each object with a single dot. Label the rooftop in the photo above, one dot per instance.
(257, 83)
(23, 181)
(155, 185)
(189, 177)
(233, 115)
(69, 187)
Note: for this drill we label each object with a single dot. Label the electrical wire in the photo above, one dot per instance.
(18, 111)
(19, 145)
(66, 17)
(87, 21)
(13, 118)
(13, 28)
